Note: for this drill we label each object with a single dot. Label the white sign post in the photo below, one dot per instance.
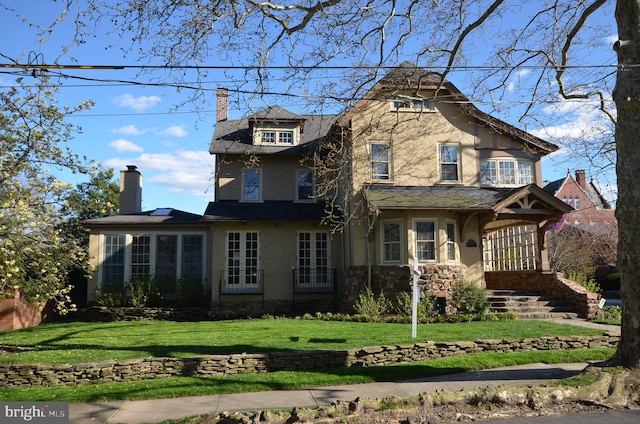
(415, 297)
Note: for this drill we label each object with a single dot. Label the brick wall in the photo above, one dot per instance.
(16, 313)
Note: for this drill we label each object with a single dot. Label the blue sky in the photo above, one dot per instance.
(165, 135)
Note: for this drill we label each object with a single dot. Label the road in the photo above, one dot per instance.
(611, 417)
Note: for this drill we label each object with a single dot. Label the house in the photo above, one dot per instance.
(591, 208)
(310, 209)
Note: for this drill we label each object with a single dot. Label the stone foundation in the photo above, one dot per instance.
(435, 280)
(14, 376)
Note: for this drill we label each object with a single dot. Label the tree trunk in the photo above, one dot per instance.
(627, 98)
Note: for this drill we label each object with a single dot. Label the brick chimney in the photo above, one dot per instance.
(130, 191)
(222, 111)
(581, 179)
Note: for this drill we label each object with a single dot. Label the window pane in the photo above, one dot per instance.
(305, 184)
(488, 173)
(192, 257)
(449, 163)
(380, 161)
(140, 256)
(268, 137)
(426, 240)
(525, 172)
(285, 137)
(391, 241)
(251, 189)
(451, 242)
(166, 257)
(507, 172)
(113, 265)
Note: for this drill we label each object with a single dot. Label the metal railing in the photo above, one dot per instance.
(314, 280)
(242, 281)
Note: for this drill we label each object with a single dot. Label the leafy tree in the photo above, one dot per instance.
(96, 198)
(539, 51)
(35, 256)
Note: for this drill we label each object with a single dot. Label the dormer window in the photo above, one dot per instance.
(412, 105)
(276, 136)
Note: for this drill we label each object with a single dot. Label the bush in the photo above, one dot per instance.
(404, 308)
(112, 294)
(190, 292)
(469, 298)
(370, 307)
(586, 280)
(610, 281)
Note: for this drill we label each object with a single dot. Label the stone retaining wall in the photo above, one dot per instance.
(14, 376)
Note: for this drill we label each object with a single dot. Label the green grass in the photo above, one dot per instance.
(79, 342)
(285, 380)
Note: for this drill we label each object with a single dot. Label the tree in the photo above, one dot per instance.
(542, 52)
(35, 255)
(96, 198)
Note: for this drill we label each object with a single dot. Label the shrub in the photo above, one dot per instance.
(585, 280)
(139, 290)
(370, 307)
(112, 294)
(469, 298)
(404, 308)
(610, 313)
(190, 292)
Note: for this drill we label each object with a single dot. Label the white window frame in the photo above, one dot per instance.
(278, 133)
(243, 194)
(441, 163)
(451, 245)
(436, 248)
(243, 277)
(519, 166)
(386, 148)
(308, 272)
(384, 242)
(312, 197)
(153, 251)
(412, 105)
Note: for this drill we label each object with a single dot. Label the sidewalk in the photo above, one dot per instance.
(157, 410)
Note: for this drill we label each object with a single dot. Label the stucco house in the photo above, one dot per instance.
(310, 209)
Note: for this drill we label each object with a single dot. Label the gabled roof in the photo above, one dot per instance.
(236, 136)
(592, 191)
(151, 217)
(408, 77)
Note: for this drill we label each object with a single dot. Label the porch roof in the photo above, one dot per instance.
(232, 210)
(435, 197)
(151, 217)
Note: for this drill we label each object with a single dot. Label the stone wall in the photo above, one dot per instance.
(14, 376)
(584, 302)
(435, 280)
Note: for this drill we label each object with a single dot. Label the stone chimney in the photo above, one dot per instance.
(581, 179)
(222, 111)
(130, 191)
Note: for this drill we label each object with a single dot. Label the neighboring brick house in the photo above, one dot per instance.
(309, 209)
(591, 208)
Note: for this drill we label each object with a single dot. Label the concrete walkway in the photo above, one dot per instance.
(157, 410)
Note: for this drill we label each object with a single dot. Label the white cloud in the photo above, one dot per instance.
(128, 130)
(137, 103)
(123, 145)
(186, 171)
(173, 131)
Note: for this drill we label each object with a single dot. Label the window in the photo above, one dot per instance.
(506, 172)
(313, 259)
(251, 182)
(449, 162)
(425, 240)
(412, 105)
(114, 260)
(140, 256)
(305, 187)
(268, 137)
(380, 161)
(285, 137)
(242, 262)
(166, 257)
(192, 257)
(573, 201)
(276, 137)
(451, 242)
(391, 242)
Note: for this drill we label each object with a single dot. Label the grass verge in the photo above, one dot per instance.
(179, 387)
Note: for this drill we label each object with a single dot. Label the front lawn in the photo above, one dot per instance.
(80, 342)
